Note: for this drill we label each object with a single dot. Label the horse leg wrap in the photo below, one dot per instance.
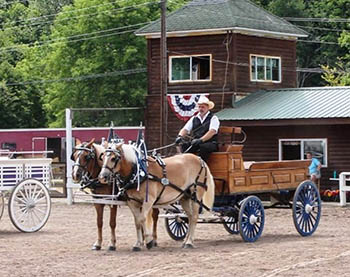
(150, 245)
(188, 246)
(96, 247)
(111, 248)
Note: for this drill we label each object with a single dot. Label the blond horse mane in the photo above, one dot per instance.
(129, 153)
(99, 150)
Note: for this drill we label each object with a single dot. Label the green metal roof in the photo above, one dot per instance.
(209, 15)
(295, 103)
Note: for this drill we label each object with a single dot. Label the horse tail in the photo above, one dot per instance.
(208, 196)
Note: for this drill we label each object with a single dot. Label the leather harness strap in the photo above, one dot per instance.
(165, 182)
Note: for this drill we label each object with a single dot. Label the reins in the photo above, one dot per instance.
(154, 150)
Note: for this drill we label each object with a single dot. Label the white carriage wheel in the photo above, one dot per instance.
(29, 205)
(2, 204)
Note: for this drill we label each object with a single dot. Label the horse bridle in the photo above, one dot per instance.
(90, 156)
(118, 156)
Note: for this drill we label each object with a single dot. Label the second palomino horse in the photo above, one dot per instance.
(184, 177)
(87, 165)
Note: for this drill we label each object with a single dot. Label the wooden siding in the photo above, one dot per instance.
(262, 145)
(247, 45)
(237, 80)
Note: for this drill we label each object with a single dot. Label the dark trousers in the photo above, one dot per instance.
(204, 149)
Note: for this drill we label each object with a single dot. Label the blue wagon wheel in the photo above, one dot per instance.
(231, 225)
(306, 208)
(177, 227)
(251, 219)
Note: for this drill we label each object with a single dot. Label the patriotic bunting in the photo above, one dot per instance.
(184, 105)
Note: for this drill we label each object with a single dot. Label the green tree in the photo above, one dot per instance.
(339, 75)
(328, 29)
(23, 23)
(314, 55)
(20, 104)
(109, 47)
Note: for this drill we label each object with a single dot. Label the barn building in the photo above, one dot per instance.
(244, 59)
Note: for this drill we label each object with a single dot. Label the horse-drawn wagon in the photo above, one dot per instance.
(26, 182)
(239, 188)
(236, 206)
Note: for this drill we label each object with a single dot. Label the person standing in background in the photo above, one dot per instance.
(314, 168)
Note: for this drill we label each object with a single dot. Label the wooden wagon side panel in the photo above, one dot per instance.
(222, 163)
(244, 182)
(289, 179)
(231, 177)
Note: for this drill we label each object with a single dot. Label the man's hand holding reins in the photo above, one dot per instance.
(178, 140)
(196, 142)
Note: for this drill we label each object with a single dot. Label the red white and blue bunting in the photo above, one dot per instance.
(184, 105)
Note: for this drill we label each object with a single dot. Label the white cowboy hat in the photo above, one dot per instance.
(204, 100)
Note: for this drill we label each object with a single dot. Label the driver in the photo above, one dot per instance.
(204, 128)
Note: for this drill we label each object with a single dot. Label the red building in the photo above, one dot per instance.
(55, 139)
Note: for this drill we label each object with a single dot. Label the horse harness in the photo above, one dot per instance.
(86, 180)
(165, 181)
(91, 155)
(129, 182)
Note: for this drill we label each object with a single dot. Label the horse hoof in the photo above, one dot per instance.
(155, 244)
(150, 245)
(111, 248)
(188, 246)
(96, 247)
(136, 249)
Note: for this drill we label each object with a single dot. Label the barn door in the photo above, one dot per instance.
(39, 144)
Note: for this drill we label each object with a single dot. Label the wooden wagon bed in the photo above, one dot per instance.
(234, 176)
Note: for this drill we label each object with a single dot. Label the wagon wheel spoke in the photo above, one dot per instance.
(29, 205)
(306, 208)
(251, 219)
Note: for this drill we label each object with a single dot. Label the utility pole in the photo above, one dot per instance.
(163, 77)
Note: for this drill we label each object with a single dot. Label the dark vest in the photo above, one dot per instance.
(199, 129)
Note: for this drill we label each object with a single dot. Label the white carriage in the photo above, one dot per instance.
(26, 181)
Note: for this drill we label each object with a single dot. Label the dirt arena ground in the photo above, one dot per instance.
(62, 248)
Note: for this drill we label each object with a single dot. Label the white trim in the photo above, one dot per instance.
(301, 140)
(256, 70)
(190, 80)
(248, 31)
(64, 129)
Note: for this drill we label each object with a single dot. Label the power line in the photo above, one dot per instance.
(64, 12)
(53, 41)
(78, 16)
(82, 77)
(143, 70)
(317, 19)
(11, 2)
(322, 29)
(318, 42)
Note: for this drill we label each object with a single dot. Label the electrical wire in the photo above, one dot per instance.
(65, 12)
(82, 77)
(64, 39)
(318, 19)
(78, 16)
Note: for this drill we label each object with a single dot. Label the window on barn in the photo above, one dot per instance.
(265, 69)
(190, 68)
(9, 146)
(296, 149)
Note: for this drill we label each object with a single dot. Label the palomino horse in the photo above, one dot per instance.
(88, 165)
(183, 177)
(86, 162)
